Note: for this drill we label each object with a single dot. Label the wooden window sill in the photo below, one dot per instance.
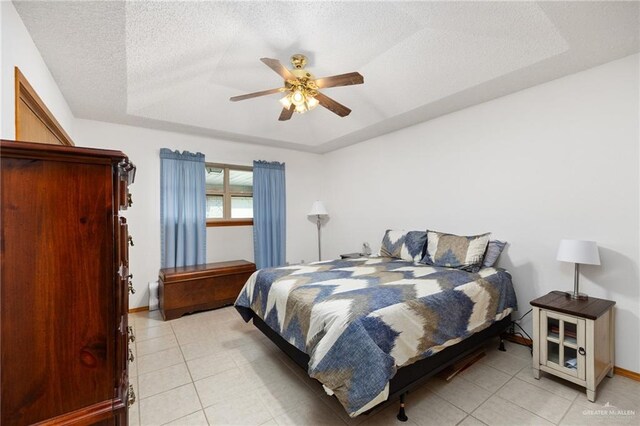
(230, 222)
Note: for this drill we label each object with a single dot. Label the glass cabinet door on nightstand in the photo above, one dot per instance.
(562, 341)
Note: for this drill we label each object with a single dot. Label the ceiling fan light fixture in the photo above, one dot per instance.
(301, 108)
(286, 102)
(311, 102)
(298, 98)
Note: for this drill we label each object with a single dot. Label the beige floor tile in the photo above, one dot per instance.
(499, 412)
(337, 409)
(519, 351)
(224, 314)
(146, 319)
(551, 383)
(579, 415)
(194, 419)
(470, 421)
(426, 408)
(159, 360)
(387, 417)
(265, 371)
(156, 345)
(485, 376)
(134, 409)
(253, 351)
(245, 410)
(460, 392)
(539, 401)
(159, 330)
(133, 367)
(210, 365)
(219, 387)
(309, 415)
(162, 380)
(505, 362)
(270, 422)
(134, 415)
(620, 391)
(195, 333)
(169, 405)
(204, 347)
(287, 394)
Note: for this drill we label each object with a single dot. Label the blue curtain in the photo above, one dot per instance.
(269, 214)
(183, 206)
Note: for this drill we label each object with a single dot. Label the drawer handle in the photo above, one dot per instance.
(132, 337)
(131, 357)
(131, 241)
(132, 396)
(129, 200)
(581, 351)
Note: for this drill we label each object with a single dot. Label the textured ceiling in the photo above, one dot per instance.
(174, 65)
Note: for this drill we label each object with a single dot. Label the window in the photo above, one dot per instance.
(229, 195)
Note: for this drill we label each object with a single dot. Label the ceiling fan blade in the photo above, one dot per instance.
(340, 80)
(286, 113)
(275, 65)
(333, 106)
(256, 94)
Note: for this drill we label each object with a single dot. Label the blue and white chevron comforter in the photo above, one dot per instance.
(361, 319)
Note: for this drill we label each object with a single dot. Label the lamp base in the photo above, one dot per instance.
(578, 296)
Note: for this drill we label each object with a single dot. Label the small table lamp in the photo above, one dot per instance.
(318, 210)
(578, 251)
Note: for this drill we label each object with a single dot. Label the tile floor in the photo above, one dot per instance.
(212, 368)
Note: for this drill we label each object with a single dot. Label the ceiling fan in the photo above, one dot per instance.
(301, 88)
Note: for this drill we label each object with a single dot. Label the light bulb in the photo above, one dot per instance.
(286, 102)
(297, 98)
(312, 102)
(301, 108)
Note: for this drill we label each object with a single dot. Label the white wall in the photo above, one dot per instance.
(19, 50)
(559, 160)
(223, 243)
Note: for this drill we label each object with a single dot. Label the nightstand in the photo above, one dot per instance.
(573, 339)
(352, 255)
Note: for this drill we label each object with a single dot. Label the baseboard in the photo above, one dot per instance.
(526, 342)
(138, 309)
(626, 373)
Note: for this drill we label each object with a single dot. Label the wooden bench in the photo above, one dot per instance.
(199, 287)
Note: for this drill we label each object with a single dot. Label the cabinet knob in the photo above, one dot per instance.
(581, 351)
(129, 200)
(132, 396)
(131, 357)
(131, 241)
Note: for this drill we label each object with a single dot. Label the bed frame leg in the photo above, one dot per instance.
(501, 346)
(401, 414)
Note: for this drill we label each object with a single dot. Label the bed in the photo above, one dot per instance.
(369, 329)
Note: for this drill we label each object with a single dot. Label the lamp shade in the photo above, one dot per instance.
(318, 209)
(579, 251)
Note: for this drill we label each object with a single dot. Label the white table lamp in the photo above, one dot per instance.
(578, 252)
(318, 210)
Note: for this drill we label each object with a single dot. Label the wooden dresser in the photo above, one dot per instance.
(64, 285)
(194, 288)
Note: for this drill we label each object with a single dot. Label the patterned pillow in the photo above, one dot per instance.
(403, 245)
(456, 251)
(494, 248)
